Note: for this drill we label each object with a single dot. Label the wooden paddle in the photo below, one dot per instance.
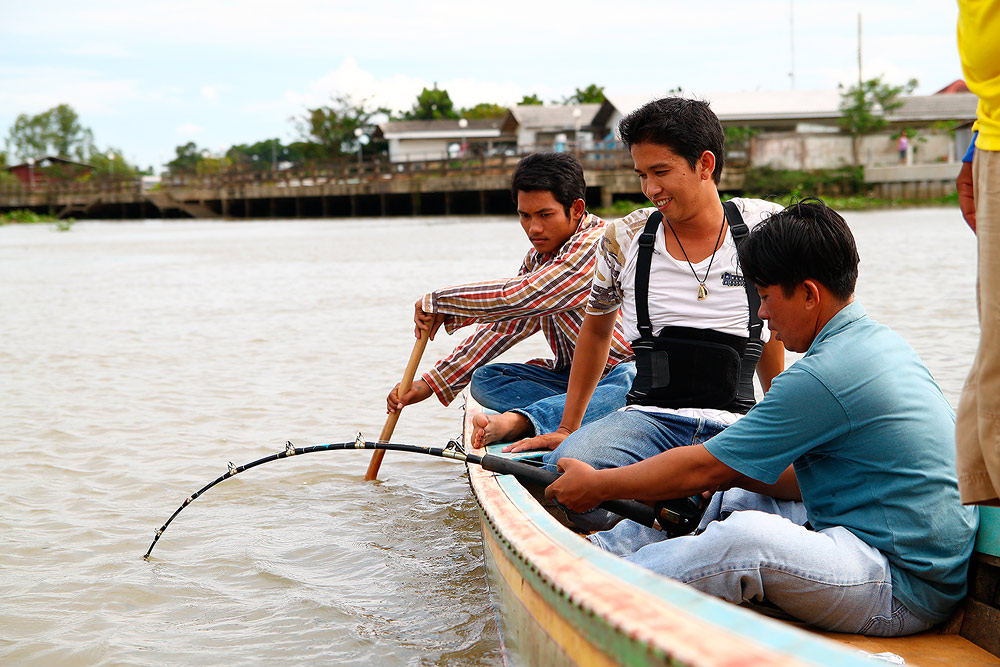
(404, 386)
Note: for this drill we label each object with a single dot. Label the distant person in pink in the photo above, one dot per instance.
(902, 145)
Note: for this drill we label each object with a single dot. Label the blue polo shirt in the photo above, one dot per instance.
(872, 439)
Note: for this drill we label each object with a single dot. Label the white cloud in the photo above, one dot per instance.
(302, 24)
(394, 92)
(35, 89)
(105, 49)
(188, 130)
(212, 93)
(397, 92)
(243, 70)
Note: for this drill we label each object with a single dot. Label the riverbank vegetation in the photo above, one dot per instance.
(348, 126)
(24, 216)
(343, 128)
(59, 132)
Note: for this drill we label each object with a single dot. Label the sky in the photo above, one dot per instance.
(148, 77)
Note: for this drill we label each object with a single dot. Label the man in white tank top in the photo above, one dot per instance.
(694, 282)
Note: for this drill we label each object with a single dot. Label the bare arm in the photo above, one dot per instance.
(786, 488)
(966, 194)
(589, 359)
(771, 362)
(676, 473)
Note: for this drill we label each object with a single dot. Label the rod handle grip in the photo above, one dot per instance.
(630, 509)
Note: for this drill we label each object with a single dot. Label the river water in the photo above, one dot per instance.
(137, 359)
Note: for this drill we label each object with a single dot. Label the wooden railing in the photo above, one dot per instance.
(97, 186)
(378, 168)
(344, 170)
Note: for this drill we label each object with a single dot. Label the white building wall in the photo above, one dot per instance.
(410, 150)
(826, 151)
(525, 139)
(789, 150)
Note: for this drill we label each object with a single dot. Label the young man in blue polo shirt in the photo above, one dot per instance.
(857, 429)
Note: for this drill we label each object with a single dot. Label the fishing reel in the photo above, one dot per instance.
(680, 516)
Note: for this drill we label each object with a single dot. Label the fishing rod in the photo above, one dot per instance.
(673, 517)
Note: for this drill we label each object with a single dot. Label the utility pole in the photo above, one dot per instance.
(791, 40)
(860, 80)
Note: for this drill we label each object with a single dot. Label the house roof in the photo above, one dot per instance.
(956, 86)
(749, 106)
(554, 117)
(954, 106)
(46, 160)
(814, 105)
(447, 128)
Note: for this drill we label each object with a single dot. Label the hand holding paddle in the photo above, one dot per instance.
(397, 399)
(424, 321)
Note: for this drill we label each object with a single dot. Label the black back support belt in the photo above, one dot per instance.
(704, 374)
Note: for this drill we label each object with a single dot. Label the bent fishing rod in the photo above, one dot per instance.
(673, 517)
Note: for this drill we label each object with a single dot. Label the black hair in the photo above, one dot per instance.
(807, 240)
(685, 126)
(559, 173)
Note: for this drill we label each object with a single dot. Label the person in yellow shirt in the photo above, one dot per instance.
(977, 433)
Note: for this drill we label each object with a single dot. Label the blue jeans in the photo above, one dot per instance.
(830, 579)
(539, 393)
(623, 438)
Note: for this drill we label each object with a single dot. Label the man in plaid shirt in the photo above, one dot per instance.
(548, 294)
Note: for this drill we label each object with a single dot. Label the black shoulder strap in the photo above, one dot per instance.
(644, 260)
(740, 230)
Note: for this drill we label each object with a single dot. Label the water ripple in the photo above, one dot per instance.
(139, 359)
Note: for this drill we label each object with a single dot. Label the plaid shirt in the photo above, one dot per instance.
(548, 295)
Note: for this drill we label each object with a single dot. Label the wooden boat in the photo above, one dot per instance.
(561, 600)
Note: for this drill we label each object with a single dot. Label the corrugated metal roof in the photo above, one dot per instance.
(443, 125)
(450, 127)
(536, 116)
(791, 104)
(805, 105)
(952, 106)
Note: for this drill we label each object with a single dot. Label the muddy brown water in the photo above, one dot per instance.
(138, 359)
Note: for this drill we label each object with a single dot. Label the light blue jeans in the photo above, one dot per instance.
(623, 438)
(539, 393)
(830, 579)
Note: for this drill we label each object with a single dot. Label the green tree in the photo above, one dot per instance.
(432, 104)
(111, 163)
(212, 164)
(332, 128)
(531, 99)
(592, 94)
(187, 159)
(266, 154)
(484, 110)
(306, 151)
(865, 107)
(57, 131)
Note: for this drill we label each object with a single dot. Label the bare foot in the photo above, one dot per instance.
(499, 428)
